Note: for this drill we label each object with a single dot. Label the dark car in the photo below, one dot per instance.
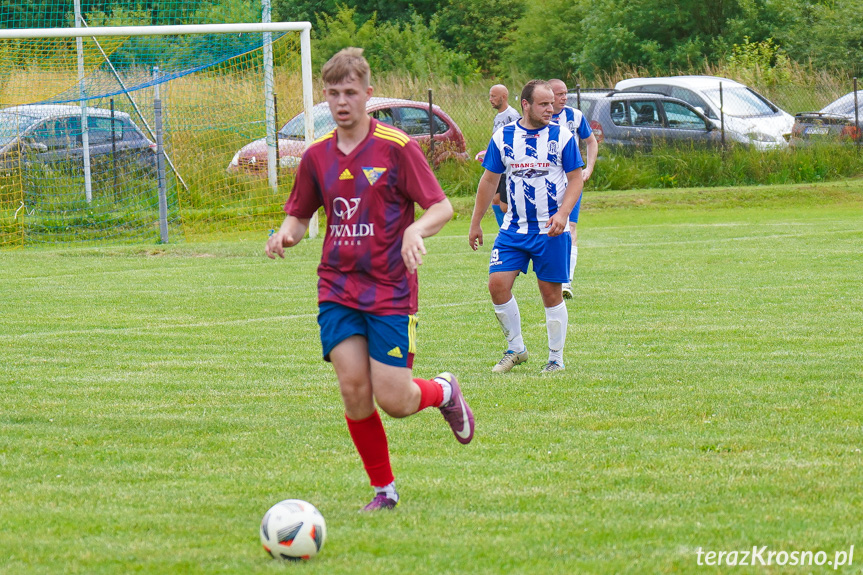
(836, 122)
(631, 120)
(410, 116)
(51, 134)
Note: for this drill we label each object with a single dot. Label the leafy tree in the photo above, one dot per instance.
(386, 10)
(51, 13)
(760, 63)
(230, 11)
(584, 37)
(659, 36)
(29, 14)
(481, 28)
(544, 38)
(390, 47)
(837, 36)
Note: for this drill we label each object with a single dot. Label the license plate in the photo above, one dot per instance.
(819, 131)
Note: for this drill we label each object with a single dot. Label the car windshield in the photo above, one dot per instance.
(845, 104)
(740, 102)
(295, 129)
(12, 125)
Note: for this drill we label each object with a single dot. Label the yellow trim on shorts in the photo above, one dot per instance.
(413, 320)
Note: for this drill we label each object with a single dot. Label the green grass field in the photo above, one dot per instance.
(156, 400)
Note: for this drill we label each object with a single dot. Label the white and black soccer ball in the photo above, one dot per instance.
(293, 530)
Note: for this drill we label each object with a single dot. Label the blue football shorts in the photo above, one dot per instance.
(573, 215)
(391, 338)
(550, 255)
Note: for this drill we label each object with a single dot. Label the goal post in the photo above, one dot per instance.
(226, 77)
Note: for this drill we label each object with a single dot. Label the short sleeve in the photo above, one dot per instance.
(492, 161)
(584, 130)
(305, 198)
(417, 180)
(571, 157)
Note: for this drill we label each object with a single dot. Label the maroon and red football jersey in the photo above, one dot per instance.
(368, 196)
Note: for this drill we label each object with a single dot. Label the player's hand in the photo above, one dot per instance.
(585, 173)
(413, 250)
(278, 242)
(557, 224)
(474, 237)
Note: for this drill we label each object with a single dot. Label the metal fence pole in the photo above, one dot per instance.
(85, 125)
(578, 95)
(857, 117)
(431, 129)
(276, 118)
(721, 117)
(308, 104)
(114, 148)
(160, 163)
(269, 105)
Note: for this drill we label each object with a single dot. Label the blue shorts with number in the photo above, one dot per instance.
(550, 255)
(391, 338)
(573, 215)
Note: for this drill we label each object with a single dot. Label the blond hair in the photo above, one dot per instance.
(345, 65)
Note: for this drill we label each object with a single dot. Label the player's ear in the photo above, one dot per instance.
(369, 91)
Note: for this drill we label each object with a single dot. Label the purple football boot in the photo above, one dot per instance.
(456, 411)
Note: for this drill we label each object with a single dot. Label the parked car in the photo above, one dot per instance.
(409, 116)
(51, 133)
(748, 116)
(835, 122)
(641, 120)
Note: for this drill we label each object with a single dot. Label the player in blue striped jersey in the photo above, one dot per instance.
(578, 125)
(543, 165)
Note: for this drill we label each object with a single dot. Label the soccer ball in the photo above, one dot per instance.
(292, 530)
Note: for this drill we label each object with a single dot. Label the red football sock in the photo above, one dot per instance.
(370, 440)
(431, 393)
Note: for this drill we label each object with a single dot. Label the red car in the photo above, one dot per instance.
(410, 116)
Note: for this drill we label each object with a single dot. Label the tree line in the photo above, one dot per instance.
(465, 39)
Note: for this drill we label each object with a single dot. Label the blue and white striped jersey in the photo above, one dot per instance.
(536, 163)
(574, 120)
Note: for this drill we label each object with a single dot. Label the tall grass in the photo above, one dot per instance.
(209, 116)
(670, 167)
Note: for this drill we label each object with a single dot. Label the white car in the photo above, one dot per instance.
(749, 117)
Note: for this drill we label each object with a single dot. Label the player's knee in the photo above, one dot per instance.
(498, 290)
(355, 390)
(394, 407)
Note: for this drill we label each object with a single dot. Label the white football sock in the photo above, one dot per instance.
(556, 319)
(573, 259)
(510, 322)
(447, 390)
(389, 490)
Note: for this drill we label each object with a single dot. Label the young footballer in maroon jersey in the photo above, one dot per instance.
(367, 176)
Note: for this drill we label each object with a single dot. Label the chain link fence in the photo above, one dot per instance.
(695, 132)
(763, 118)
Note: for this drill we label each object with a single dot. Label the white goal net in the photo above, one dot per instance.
(139, 133)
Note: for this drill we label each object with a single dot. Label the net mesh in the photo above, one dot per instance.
(210, 90)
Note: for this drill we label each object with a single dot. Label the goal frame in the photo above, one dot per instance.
(265, 28)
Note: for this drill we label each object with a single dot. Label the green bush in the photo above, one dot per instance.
(410, 48)
(738, 166)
